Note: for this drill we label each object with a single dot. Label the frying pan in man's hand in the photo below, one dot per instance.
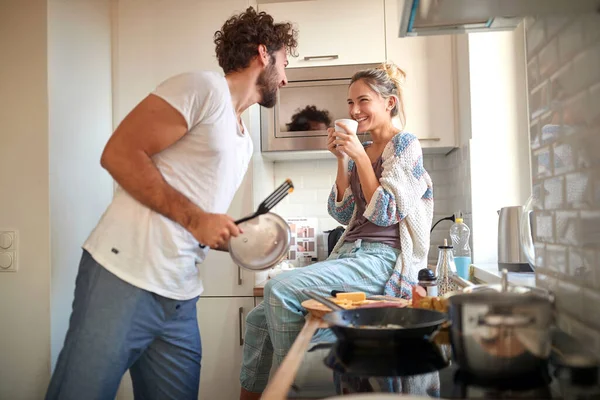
(380, 326)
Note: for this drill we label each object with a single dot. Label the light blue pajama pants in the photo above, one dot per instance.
(272, 327)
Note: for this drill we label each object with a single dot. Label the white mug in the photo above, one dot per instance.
(350, 123)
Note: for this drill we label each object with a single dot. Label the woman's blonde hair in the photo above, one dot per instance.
(387, 80)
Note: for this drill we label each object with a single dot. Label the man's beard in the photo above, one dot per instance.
(268, 85)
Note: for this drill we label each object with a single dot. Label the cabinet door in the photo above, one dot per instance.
(334, 32)
(429, 100)
(220, 275)
(156, 39)
(222, 326)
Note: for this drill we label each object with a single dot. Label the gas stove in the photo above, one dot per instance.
(420, 367)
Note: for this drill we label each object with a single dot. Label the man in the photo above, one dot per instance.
(178, 157)
(310, 118)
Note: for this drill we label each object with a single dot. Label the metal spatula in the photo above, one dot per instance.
(268, 203)
(271, 201)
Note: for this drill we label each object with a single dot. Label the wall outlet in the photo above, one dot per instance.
(8, 251)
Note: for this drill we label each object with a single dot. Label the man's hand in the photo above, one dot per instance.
(214, 230)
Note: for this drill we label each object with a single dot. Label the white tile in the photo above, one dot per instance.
(535, 136)
(570, 41)
(554, 193)
(586, 69)
(290, 210)
(330, 165)
(554, 24)
(442, 207)
(428, 162)
(590, 229)
(569, 298)
(591, 310)
(548, 58)
(544, 227)
(591, 27)
(581, 265)
(556, 258)
(574, 111)
(586, 334)
(546, 281)
(539, 100)
(568, 229)
(593, 113)
(305, 196)
(588, 142)
(535, 37)
(564, 158)
(578, 187)
(541, 163)
(326, 224)
(442, 163)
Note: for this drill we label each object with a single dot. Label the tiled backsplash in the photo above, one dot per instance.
(313, 181)
(451, 193)
(563, 69)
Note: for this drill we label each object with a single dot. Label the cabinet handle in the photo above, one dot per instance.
(240, 281)
(431, 139)
(241, 317)
(330, 57)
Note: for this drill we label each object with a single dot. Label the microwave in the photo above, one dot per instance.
(292, 125)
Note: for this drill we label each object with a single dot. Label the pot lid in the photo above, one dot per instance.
(497, 288)
(265, 241)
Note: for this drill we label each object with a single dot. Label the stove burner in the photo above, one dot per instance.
(541, 379)
(412, 357)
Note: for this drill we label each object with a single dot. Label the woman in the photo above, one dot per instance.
(383, 194)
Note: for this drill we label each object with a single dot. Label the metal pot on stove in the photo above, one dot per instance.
(501, 334)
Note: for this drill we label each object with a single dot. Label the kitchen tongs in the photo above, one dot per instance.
(271, 201)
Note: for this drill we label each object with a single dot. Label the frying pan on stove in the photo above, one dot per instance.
(380, 326)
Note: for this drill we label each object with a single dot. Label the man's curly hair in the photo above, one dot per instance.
(237, 41)
(302, 118)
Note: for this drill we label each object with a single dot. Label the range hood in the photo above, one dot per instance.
(443, 17)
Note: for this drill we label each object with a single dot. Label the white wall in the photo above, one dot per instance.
(500, 167)
(24, 296)
(79, 78)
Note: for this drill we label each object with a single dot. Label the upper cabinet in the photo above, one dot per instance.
(429, 92)
(334, 32)
(154, 40)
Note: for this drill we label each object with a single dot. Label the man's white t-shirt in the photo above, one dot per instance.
(206, 165)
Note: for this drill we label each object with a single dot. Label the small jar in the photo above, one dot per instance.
(428, 281)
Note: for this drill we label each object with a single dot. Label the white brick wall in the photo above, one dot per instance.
(451, 191)
(563, 71)
(313, 181)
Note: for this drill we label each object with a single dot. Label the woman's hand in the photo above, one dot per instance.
(348, 143)
(331, 145)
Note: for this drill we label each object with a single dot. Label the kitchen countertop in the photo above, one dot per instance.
(259, 289)
(484, 272)
(488, 273)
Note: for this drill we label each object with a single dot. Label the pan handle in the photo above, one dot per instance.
(322, 300)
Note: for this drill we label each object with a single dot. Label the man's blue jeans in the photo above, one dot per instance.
(114, 327)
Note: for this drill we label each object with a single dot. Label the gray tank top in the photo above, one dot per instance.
(363, 228)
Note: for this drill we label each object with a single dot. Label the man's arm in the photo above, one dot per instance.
(152, 126)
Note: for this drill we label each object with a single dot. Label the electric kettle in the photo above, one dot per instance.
(511, 250)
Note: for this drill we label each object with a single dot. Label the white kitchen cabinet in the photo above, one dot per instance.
(222, 326)
(156, 39)
(220, 275)
(429, 93)
(334, 32)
